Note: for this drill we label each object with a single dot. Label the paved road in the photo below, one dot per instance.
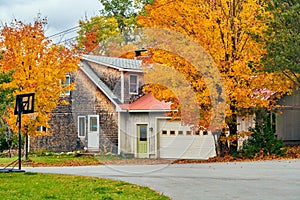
(251, 180)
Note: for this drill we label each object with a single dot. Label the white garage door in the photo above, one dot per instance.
(179, 142)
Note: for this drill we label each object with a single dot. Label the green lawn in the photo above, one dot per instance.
(53, 161)
(61, 160)
(33, 186)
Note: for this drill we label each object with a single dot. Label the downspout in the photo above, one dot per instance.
(122, 86)
(119, 133)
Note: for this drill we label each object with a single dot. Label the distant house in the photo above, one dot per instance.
(285, 120)
(107, 112)
(288, 123)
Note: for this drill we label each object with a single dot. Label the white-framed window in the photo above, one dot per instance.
(133, 84)
(81, 126)
(93, 123)
(42, 129)
(67, 83)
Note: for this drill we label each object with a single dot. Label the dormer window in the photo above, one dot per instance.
(133, 84)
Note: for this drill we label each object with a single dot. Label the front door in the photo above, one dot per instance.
(142, 141)
(93, 132)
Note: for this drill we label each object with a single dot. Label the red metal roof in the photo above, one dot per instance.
(147, 102)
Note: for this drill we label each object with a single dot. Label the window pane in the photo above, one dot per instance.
(67, 83)
(133, 79)
(143, 133)
(81, 126)
(68, 80)
(133, 84)
(93, 124)
(42, 129)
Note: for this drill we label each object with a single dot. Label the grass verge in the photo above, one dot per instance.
(53, 160)
(50, 186)
(63, 159)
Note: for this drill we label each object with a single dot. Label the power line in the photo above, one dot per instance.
(64, 32)
(67, 40)
(70, 30)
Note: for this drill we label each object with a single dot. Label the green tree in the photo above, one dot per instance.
(94, 31)
(124, 11)
(6, 99)
(283, 39)
(117, 18)
(262, 142)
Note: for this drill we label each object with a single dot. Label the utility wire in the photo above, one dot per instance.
(70, 30)
(73, 29)
(66, 40)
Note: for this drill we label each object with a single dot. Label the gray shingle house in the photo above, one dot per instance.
(107, 113)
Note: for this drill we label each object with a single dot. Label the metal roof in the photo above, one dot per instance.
(147, 103)
(118, 63)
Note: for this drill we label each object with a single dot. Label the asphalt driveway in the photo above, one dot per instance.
(245, 180)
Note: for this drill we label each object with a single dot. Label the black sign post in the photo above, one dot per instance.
(24, 105)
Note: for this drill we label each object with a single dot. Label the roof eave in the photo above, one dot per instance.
(112, 66)
(140, 111)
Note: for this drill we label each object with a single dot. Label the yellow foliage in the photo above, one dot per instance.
(227, 29)
(39, 67)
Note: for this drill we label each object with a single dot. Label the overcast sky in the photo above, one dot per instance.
(61, 14)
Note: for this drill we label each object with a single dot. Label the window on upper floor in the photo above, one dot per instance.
(67, 83)
(42, 129)
(133, 84)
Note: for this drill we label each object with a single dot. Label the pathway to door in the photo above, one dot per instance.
(274, 180)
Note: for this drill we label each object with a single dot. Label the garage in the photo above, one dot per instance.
(177, 141)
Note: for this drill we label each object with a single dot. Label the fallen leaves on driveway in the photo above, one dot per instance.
(293, 152)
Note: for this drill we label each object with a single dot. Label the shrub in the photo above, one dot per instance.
(262, 142)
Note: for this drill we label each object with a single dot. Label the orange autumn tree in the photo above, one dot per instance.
(38, 66)
(228, 31)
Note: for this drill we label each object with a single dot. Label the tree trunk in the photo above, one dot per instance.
(224, 149)
(233, 133)
(231, 121)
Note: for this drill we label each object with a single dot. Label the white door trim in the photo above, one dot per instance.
(93, 133)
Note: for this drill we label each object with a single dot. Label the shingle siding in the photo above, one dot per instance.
(62, 136)
(98, 92)
(85, 100)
